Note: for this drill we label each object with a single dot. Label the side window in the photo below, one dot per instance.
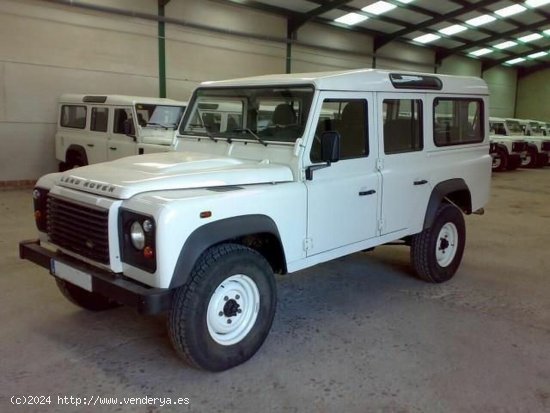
(73, 116)
(99, 118)
(123, 122)
(402, 125)
(348, 117)
(458, 121)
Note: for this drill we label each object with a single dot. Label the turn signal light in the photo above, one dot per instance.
(148, 252)
(37, 215)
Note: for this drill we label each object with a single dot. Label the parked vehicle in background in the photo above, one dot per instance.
(317, 166)
(507, 153)
(535, 156)
(93, 128)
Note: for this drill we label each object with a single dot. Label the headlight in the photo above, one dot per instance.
(137, 236)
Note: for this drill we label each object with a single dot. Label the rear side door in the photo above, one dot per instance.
(122, 139)
(343, 197)
(404, 166)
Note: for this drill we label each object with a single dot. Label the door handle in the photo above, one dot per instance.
(369, 192)
(112, 148)
(91, 145)
(421, 182)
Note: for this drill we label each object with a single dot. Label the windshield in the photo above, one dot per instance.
(261, 114)
(535, 128)
(155, 116)
(514, 127)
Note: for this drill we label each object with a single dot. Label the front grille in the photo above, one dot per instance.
(519, 146)
(546, 146)
(79, 228)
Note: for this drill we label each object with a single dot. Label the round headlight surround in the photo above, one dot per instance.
(137, 236)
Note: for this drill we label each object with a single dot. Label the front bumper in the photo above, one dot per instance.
(145, 300)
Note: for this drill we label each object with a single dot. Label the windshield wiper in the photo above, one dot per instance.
(171, 125)
(249, 131)
(205, 133)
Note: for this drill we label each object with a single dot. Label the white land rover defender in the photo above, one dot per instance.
(538, 147)
(347, 161)
(508, 152)
(93, 129)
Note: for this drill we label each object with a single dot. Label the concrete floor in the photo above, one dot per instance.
(355, 335)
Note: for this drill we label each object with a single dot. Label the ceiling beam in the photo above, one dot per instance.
(310, 15)
(488, 64)
(378, 43)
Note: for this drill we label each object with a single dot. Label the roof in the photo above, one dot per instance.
(473, 28)
(119, 99)
(360, 80)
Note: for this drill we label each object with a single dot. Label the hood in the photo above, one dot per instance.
(127, 177)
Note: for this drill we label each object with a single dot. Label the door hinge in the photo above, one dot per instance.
(308, 244)
(380, 225)
(379, 164)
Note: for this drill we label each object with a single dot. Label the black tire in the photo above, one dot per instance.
(500, 160)
(75, 160)
(85, 299)
(187, 324)
(542, 160)
(531, 159)
(423, 246)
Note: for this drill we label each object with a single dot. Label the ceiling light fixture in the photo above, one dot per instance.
(530, 37)
(505, 45)
(351, 19)
(426, 38)
(480, 20)
(456, 28)
(481, 52)
(516, 60)
(536, 3)
(537, 55)
(510, 10)
(379, 7)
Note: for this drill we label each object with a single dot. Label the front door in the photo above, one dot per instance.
(122, 141)
(343, 198)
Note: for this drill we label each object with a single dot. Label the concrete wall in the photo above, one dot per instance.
(534, 96)
(48, 49)
(502, 82)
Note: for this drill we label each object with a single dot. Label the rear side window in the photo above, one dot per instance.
(73, 116)
(458, 121)
(402, 125)
(99, 119)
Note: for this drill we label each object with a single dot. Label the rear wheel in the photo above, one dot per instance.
(74, 160)
(85, 299)
(436, 252)
(222, 315)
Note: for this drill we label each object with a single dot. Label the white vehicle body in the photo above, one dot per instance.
(538, 151)
(268, 188)
(99, 128)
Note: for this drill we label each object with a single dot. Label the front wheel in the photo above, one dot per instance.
(222, 315)
(500, 160)
(436, 252)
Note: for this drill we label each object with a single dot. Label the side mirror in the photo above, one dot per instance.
(330, 146)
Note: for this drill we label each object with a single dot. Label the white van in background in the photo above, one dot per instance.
(93, 128)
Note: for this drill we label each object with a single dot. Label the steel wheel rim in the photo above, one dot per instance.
(233, 309)
(446, 244)
(526, 160)
(497, 161)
